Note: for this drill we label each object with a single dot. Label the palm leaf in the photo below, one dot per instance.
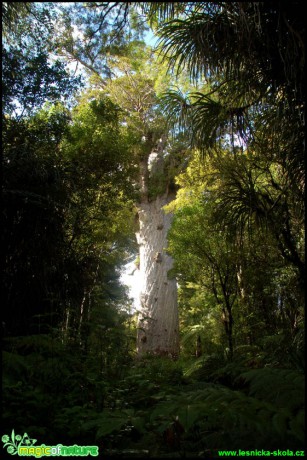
(177, 108)
(197, 114)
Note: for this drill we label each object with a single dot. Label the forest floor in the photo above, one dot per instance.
(154, 407)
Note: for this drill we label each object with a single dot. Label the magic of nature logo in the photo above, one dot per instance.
(24, 446)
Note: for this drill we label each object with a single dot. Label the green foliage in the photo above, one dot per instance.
(263, 383)
(157, 185)
(66, 196)
(44, 376)
(239, 259)
(69, 369)
(207, 414)
(33, 218)
(11, 12)
(30, 77)
(106, 34)
(206, 41)
(155, 405)
(29, 81)
(239, 109)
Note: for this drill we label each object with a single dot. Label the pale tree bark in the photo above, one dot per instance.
(158, 323)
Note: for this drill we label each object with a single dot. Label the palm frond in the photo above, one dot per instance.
(182, 45)
(159, 12)
(239, 40)
(209, 119)
(177, 108)
(206, 42)
(199, 115)
(242, 201)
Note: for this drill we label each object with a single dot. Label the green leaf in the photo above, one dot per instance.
(138, 423)
(189, 414)
(107, 426)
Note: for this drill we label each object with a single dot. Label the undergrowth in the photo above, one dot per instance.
(154, 407)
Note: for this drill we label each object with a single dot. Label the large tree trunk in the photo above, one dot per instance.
(158, 331)
(158, 323)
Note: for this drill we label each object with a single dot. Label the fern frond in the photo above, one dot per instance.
(282, 387)
(192, 332)
(221, 410)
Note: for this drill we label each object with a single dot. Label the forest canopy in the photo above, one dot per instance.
(170, 134)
